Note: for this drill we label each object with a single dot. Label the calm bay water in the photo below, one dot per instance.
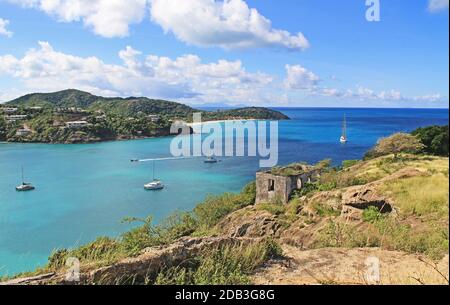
(83, 191)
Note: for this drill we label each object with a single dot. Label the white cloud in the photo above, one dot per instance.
(222, 81)
(3, 28)
(431, 98)
(363, 93)
(300, 78)
(438, 5)
(210, 23)
(367, 95)
(227, 24)
(186, 77)
(108, 18)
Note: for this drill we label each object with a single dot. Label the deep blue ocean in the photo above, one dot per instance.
(84, 191)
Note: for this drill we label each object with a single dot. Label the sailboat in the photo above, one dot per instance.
(155, 184)
(210, 160)
(344, 138)
(24, 187)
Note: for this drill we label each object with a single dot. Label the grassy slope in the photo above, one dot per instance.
(420, 224)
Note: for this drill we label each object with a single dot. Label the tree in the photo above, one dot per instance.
(435, 139)
(399, 143)
(3, 129)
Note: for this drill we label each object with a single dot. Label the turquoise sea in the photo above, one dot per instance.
(83, 191)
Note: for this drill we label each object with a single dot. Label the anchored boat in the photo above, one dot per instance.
(24, 187)
(155, 184)
(211, 160)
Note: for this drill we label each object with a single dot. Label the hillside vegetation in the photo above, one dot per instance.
(45, 117)
(123, 106)
(135, 105)
(435, 139)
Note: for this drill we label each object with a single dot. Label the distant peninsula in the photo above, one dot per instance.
(73, 116)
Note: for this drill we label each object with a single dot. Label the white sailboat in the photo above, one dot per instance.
(155, 184)
(211, 160)
(24, 187)
(344, 138)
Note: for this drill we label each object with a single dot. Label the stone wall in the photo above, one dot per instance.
(283, 186)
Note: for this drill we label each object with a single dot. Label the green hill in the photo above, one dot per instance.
(134, 105)
(105, 118)
(124, 106)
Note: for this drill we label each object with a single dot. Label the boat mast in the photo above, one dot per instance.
(153, 170)
(23, 180)
(344, 127)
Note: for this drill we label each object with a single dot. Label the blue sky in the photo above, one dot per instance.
(230, 52)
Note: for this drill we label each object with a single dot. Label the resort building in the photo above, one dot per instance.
(278, 184)
(35, 108)
(9, 110)
(153, 118)
(23, 132)
(77, 124)
(70, 110)
(13, 118)
(101, 117)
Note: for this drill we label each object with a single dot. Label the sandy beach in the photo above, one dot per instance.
(219, 121)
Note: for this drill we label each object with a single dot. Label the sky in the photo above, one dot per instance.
(291, 53)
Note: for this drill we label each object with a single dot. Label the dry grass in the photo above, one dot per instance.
(383, 166)
(420, 196)
(229, 265)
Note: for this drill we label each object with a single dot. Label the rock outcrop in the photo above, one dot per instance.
(302, 234)
(250, 222)
(363, 266)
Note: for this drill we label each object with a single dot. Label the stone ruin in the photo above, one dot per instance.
(278, 185)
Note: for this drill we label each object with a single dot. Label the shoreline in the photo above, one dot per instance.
(87, 143)
(222, 121)
(191, 125)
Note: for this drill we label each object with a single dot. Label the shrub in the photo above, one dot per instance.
(275, 209)
(372, 214)
(141, 237)
(349, 163)
(326, 163)
(435, 139)
(147, 235)
(215, 208)
(325, 211)
(228, 265)
(307, 188)
(101, 251)
(399, 143)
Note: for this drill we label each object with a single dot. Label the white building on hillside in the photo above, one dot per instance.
(9, 110)
(154, 118)
(23, 132)
(77, 124)
(13, 118)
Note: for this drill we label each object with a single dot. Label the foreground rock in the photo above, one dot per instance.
(351, 266)
(250, 222)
